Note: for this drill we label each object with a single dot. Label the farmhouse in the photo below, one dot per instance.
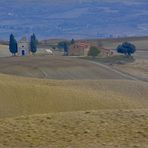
(79, 49)
(23, 47)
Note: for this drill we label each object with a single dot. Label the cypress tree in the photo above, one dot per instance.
(33, 44)
(72, 41)
(13, 47)
(65, 49)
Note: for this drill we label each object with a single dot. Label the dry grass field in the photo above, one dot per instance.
(4, 51)
(25, 96)
(81, 113)
(104, 113)
(89, 129)
(53, 101)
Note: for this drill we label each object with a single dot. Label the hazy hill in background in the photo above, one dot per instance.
(73, 18)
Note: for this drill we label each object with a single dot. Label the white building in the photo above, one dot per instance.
(23, 47)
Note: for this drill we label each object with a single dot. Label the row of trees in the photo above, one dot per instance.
(13, 45)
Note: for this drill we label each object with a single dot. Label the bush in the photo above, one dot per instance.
(94, 51)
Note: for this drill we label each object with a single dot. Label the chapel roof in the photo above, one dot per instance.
(23, 39)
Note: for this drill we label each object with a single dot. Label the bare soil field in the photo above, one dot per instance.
(56, 67)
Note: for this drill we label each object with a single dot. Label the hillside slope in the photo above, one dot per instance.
(56, 67)
(105, 109)
(26, 96)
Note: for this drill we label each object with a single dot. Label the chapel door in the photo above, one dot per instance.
(23, 52)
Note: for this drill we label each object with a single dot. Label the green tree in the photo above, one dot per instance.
(61, 44)
(64, 45)
(94, 51)
(126, 48)
(66, 49)
(13, 47)
(33, 44)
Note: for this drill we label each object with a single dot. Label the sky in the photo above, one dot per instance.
(73, 18)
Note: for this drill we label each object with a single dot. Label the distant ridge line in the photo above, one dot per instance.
(120, 39)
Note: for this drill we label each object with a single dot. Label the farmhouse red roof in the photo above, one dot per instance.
(83, 44)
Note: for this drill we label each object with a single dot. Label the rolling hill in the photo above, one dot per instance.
(76, 113)
(53, 101)
(56, 67)
(63, 84)
(26, 96)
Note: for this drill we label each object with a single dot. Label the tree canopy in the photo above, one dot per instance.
(13, 47)
(126, 48)
(61, 44)
(64, 45)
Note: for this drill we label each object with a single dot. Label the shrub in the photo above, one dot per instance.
(94, 51)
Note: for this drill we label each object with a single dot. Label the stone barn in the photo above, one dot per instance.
(79, 49)
(23, 47)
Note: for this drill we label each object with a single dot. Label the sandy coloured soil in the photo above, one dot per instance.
(89, 129)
